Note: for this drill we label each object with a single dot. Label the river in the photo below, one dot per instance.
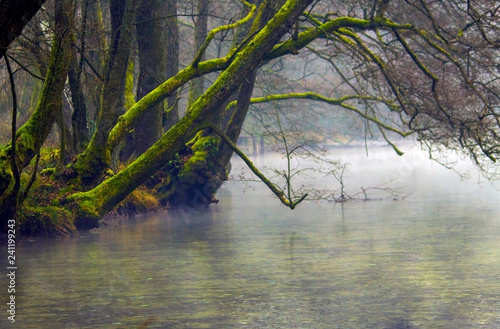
(431, 260)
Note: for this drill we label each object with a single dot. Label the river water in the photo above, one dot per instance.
(431, 260)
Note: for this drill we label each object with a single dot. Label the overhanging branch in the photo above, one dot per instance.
(285, 200)
(334, 101)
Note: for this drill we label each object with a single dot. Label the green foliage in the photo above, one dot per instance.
(207, 144)
(45, 221)
(175, 164)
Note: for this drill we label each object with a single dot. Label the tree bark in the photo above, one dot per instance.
(14, 15)
(214, 172)
(152, 57)
(79, 117)
(91, 164)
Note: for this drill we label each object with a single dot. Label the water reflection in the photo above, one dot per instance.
(429, 261)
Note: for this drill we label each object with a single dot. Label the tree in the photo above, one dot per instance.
(200, 34)
(401, 67)
(30, 137)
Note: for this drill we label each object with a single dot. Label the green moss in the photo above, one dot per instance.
(6, 177)
(45, 221)
(141, 200)
(64, 191)
(130, 118)
(47, 172)
(190, 170)
(91, 164)
(109, 193)
(129, 84)
(84, 207)
(207, 144)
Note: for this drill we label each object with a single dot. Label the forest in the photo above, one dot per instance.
(129, 106)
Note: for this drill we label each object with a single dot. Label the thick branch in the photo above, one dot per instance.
(128, 120)
(306, 37)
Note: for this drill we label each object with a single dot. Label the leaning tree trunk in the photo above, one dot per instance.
(33, 133)
(89, 206)
(79, 117)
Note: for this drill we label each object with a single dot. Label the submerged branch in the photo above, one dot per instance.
(279, 193)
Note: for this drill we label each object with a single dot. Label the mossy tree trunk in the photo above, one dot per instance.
(33, 133)
(79, 117)
(96, 158)
(89, 206)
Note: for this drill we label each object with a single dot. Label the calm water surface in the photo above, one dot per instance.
(429, 261)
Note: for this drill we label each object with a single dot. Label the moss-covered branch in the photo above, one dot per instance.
(286, 200)
(306, 37)
(222, 28)
(415, 59)
(129, 119)
(88, 206)
(335, 101)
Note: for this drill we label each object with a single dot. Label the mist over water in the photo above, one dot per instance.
(431, 260)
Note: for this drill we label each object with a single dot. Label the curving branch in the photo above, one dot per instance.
(127, 120)
(286, 200)
(334, 101)
(222, 28)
